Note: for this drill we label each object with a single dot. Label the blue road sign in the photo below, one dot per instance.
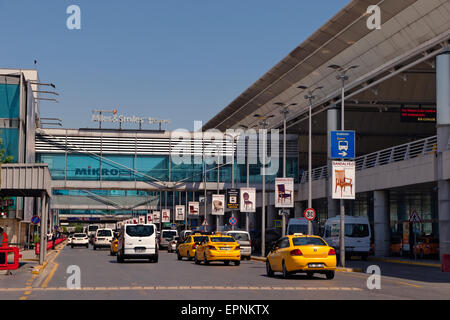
(233, 221)
(35, 220)
(342, 144)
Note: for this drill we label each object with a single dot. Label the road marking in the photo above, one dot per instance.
(384, 278)
(50, 276)
(185, 288)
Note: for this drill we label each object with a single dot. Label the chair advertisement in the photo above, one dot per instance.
(165, 215)
(179, 213)
(248, 200)
(194, 208)
(344, 180)
(156, 217)
(218, 204)
(284, 195)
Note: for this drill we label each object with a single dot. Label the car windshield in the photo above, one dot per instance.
(297, 228)
(356, 230)
(104, 233)
(93, 228)
(222, 239)
(80, 235)
(308, 241)
(140, 231)
(168, 234)
(199, 239)
(239, 236)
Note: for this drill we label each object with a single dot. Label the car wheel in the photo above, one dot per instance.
(205, 260)
(120, 258)
(179, 256)
(330, 275)
(310, 275)
(72, 246)
(421, 255)
(249, 258)
(95, 248)
(196, 259)
(237, 263)
(285, 272)
(87, 246)
(364, 256)
(189, 257)
(227, 263)
(269, 269)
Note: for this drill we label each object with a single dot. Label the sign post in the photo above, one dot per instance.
(414, 218)
(310, 214)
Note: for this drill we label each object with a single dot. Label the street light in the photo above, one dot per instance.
(247, 222)
(342, 75)
(284, 111)
(232, 168)
(264, 123)
(310, 96)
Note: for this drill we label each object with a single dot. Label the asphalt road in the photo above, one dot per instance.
(103, 278)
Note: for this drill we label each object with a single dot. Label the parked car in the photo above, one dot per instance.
(80, 239)
(103, 238)
(137, 242)
(244, 240)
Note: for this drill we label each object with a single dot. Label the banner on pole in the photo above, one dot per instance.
(179, 213)
(218, 204)
(284, 192)
(248, 200)
(156, 217)
(344, 180)
(165, 215)
(194, 208)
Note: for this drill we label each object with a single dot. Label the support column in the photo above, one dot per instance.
(443, 136)
(272, 214)
(382, 233)
(298, 209)
(332, 125)
(43, 236)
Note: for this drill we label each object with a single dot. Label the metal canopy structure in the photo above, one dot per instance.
(396, 68)
(25, 180)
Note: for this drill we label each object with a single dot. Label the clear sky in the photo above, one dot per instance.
(168, 59)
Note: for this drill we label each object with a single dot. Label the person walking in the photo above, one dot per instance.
(3, 244)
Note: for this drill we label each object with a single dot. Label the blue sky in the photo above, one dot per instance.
(168, 59)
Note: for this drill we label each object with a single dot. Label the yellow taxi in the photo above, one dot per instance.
(301, 253)
(187, 248)
(218, 248)
(113, 247)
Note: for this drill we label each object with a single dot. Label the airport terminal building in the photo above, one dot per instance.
(397, 101)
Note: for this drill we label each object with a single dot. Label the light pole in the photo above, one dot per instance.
(284, 111)
(310, 96)
(342, 75)
(264, 123)
(232, 169)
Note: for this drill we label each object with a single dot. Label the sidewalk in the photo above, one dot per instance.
(406, 260)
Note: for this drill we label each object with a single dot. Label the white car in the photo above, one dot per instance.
(69, 239)
(103, 238)
(80, 239)
(243, 238)
(137, 241)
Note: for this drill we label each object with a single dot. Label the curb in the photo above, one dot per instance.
(360, 270)
(423, 264)
(261, 259)
(38, 269)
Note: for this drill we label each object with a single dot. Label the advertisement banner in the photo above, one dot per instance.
(233, 199)
(179, 213)
(284, 192)
(141, 219)
(150, 218)
(165, 215)
(248, 200)
(343, 180)
(194, 208)
(156, 216)
(218, 205)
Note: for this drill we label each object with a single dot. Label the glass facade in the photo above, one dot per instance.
(86, 167)
(9, 101)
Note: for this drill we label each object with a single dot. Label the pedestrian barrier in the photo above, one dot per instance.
(445, 263)
(17, 256)
(49, 245)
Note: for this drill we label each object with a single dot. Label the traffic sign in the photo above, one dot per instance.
(310, 214)
(414, 218)
(232, 221)
(342, 144)
(205, 223)
(35, 220)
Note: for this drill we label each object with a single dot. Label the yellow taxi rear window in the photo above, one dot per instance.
(222, 239)
(308, 241)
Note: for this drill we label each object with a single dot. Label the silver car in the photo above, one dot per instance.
(166, 236)
(243, 238)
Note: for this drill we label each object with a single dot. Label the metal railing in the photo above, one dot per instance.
(395, 154)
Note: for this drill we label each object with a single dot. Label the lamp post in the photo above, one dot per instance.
(232, 169)
(310, 97)
(264, 123)
(342, 75)
(284, 111)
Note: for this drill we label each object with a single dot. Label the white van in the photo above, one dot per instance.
(300, 225)
(137, 241)
(357, 235)
(103, 238)
(91, 230)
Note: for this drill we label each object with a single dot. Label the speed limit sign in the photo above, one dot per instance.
(310, 214)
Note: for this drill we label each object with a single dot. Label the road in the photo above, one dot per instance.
(103, 278)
